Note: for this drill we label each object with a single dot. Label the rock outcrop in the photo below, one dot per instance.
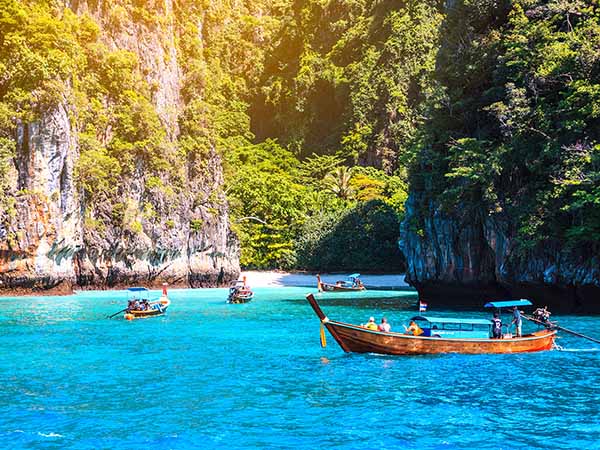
(40, 241)
(470, 260)
(45, 243)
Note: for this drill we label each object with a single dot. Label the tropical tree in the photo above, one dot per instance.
(338, 182)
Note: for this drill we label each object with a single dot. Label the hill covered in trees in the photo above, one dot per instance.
(326, 114)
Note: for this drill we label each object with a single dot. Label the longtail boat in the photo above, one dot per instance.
(240, 292)
(353, 283)
(140, 307)
(436, 335)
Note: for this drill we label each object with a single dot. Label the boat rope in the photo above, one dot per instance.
(322, 336)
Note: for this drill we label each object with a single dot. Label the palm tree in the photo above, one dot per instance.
(338, 182)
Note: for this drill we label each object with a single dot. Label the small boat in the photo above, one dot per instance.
(436, 335)
(139, 307)
(352, 283)
(240, 292)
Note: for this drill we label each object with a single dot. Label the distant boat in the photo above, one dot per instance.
(436, 335)
(352, 283)
(139, 306)
(240, 292)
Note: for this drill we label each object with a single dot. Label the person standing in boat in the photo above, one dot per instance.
(496, 326)
(517, 320)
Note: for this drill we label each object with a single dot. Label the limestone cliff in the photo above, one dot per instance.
(473, 259)
(53, 236)
(504, 198)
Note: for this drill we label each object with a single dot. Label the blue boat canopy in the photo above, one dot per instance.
(508, 303)
(137, 289)
(354, 275)
(452, 320)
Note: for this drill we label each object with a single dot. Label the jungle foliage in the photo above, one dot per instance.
(323, 111)
(515, 130)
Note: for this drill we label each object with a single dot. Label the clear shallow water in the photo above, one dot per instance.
(212, 375)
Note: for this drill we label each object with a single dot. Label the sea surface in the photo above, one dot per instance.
(213, 375)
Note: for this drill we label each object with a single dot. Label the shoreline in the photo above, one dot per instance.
(255, 278)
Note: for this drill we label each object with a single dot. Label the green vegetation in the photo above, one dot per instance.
(287, 213)
(52, 58)
(515, 130)
(322, 112)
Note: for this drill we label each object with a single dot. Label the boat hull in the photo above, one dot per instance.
(325, 287)
(240, 298)
(339, 286)
(354, 338)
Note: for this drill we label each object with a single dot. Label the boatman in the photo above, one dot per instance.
(496, 326)
(517, 320)
(542, 315)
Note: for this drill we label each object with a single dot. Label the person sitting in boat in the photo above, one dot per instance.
(144, 306)
(413, 329)
(371, 325)
(496, 326)
(133, 305)
(384, 325)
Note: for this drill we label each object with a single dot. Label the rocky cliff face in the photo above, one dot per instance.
(38, 244)
(474, 259)
(46, 241)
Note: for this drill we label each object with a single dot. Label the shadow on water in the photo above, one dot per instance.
(391, 303)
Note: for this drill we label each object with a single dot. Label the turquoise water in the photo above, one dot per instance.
(212, 375)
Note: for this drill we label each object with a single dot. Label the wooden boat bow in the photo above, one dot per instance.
(325, 321)
(316, 308)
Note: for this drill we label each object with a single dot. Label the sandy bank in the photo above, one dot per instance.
(268, 279)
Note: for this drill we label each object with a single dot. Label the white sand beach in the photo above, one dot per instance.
(268, 278)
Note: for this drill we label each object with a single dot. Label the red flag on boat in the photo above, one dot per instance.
(422, 306)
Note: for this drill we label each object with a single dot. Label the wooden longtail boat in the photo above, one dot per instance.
(353, 283)
(240, 292)
(354, 338)
(140, 309)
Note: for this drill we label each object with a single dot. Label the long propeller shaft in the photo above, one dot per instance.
(557, 327)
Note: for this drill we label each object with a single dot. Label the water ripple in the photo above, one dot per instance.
(254, 376)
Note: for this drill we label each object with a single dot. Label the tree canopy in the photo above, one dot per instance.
(323, 111)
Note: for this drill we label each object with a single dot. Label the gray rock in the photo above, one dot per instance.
(46, 244)
(472, 258)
